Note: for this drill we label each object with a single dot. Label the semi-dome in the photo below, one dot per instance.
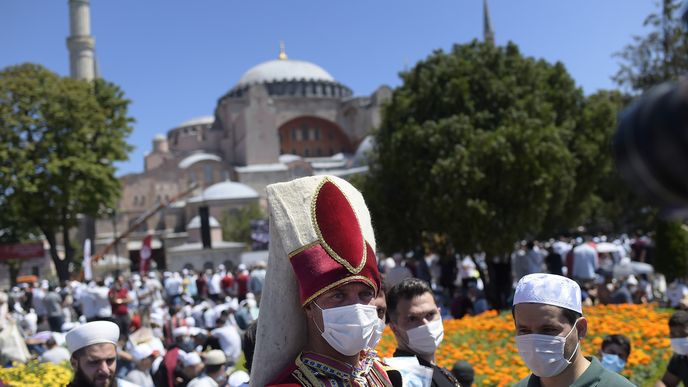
(226, 190)
(197, 157)
(197, 121)
(284, 70)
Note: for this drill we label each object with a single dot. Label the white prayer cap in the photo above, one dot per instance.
(95, 332)
(215, 357)
(141, 352)
(190, 359)
(157, 318)
(241, 267)
(195, 331)
(631, 280)
(549, 289)
(68, 326)
(59, 338)
(238, 378)
(181, 331)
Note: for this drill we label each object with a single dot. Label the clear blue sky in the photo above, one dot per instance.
(175, 58)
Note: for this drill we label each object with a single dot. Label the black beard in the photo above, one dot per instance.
(80, 379)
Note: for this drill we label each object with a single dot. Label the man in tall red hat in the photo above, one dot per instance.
(318, 324)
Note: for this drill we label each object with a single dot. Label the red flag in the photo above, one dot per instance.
(145, 254)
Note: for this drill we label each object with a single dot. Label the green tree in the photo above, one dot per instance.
(660, 56)
(59, 139)
(236, 224)
(481, 147)
(476, 144)
(672, 249)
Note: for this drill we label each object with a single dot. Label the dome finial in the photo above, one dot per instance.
(283, 53)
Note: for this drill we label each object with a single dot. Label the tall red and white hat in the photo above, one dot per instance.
(321, 237)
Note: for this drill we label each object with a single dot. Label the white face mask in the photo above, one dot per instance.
(349, 329)
(544, 354)
(426, 338)
(377, 334)
(680, 345)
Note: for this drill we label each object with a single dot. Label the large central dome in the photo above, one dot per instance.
(284, 70)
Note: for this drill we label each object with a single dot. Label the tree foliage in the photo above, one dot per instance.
(486, 146)
(236, 224)
(661, 55)
(672, 249)
(59, 138)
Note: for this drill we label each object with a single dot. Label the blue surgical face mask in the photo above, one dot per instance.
(613, 362)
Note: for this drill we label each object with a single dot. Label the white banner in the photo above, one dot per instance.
(88, 272)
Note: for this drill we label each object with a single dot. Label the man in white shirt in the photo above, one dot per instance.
(214, 374)
(101, 301)
(143, 355)
(55, 353)
(88, 302)
(215, 284)
(229, 338)
(585, 263)
(173, 288)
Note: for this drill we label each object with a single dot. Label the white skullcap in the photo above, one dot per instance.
(215, 357)
(181, 331)
(141, 352)
(95, 332)
(549, 289)
(59, 338)
(157, 318)
(195, 331)
(237, 378)
(190, 359)
(241, 267)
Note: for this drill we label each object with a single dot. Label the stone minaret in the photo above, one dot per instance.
(80, 42)
(488, 33)
(82, 65)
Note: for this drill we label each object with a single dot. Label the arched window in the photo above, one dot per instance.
(208, 174)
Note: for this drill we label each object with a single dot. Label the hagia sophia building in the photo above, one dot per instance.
(283, 119)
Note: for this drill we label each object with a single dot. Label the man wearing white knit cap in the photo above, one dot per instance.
(143, 355)
(549, 328)
(94, 354)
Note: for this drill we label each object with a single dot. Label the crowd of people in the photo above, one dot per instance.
(165, 319)
(319, 318)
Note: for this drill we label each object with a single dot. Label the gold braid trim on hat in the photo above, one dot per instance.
(302, 249)
(323, 243)
(340, 282)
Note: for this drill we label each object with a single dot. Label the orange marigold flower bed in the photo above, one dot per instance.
(487, 343)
